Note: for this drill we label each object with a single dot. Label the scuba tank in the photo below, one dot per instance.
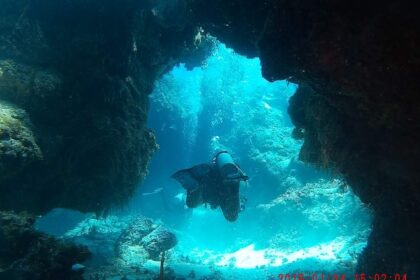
(230, 171)
(227, 168)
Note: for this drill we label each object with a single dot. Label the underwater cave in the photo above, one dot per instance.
(199, 139)
(294, 219)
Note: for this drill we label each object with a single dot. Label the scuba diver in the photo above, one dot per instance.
(216, 184)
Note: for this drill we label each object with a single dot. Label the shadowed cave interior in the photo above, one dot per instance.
(92, 91)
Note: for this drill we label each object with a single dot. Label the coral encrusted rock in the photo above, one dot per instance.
(122, 241)
(18, 147)
(144, 240)
(30, 87)
(30, 255)
(158, 241)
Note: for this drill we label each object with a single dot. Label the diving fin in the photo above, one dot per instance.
(190, 178)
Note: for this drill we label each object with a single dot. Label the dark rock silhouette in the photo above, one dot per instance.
(27, 254)
(83, 71)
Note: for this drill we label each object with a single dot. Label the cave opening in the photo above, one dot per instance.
(295, 218)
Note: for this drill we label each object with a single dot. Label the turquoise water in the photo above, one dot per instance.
(296, 218)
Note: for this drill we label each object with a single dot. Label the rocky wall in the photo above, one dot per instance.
(74, 83)
(81, 72)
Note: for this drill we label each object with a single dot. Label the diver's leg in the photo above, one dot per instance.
(194, 198)
(230, 204)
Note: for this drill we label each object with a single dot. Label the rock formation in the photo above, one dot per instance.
(143, 240)
(27, 254)
(82, 70)
(74, 83)
(122, 242)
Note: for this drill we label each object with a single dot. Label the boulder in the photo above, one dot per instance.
(144, 240)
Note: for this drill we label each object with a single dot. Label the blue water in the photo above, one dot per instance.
(296, 218)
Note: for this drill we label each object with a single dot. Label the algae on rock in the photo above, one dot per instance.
(28, 86)
(18, 147)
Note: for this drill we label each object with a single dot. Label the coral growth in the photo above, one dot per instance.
(142, 237)
(158, 241)
(128, 241)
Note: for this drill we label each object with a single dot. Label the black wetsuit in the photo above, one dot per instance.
(214, 191)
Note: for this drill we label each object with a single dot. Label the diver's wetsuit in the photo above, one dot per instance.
(216, 192)
(205, 185)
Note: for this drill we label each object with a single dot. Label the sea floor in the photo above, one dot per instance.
(334, 258)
